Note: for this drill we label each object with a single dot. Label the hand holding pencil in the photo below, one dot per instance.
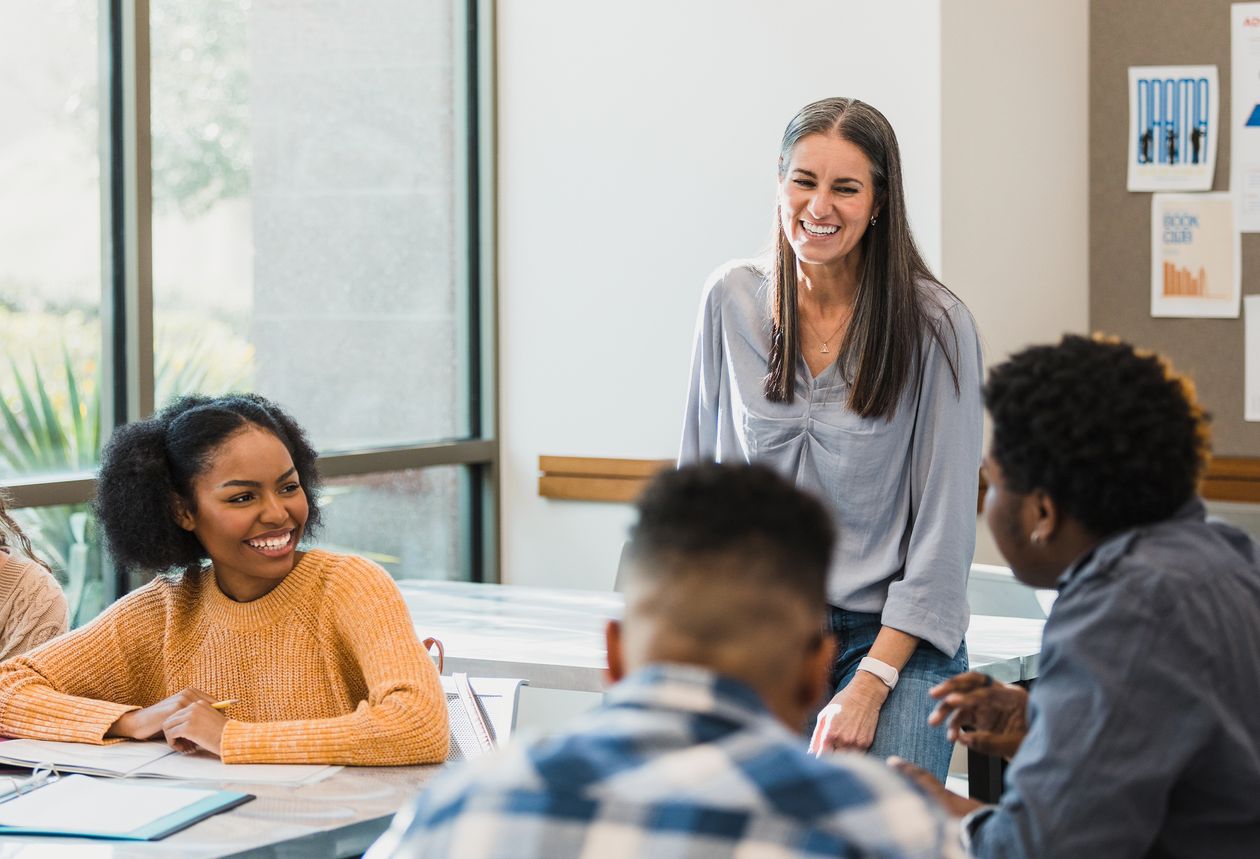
(198, 726)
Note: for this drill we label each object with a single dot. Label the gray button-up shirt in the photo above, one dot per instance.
(1144, 725)
(902, 491)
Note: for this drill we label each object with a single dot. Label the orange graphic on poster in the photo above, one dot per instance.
(1180, 283)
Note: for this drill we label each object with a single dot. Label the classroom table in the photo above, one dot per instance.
(337, 817)
(550, 637)
(554, 637)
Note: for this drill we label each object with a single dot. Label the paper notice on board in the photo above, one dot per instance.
(1244, 155)
(1195, 256)
(1251, 364)
(1173, 116)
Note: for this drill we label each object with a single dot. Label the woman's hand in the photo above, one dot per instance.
(990, 718)
(849, 721)
(147, 723)
(197, 726)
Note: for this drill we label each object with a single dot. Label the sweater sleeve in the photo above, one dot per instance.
(69, 688)
(402, 721)
(37, 609)
(930, 600)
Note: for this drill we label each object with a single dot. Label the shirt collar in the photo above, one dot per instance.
(690, 689)
(1105, 553)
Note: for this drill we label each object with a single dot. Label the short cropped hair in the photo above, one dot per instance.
(1110, 432)
(149, 464)
(703, 512)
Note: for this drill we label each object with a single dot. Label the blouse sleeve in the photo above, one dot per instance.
(930, 600)
(403, 720)
(700, 422)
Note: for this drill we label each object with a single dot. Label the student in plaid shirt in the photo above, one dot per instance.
(720, 660)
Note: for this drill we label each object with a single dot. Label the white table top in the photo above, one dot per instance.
(554, 637)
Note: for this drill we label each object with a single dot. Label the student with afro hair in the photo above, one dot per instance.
(1141, 735)
(265, 654)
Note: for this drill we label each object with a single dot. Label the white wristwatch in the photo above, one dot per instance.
(880, 669)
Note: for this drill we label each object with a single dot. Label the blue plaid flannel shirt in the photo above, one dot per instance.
(677, 762)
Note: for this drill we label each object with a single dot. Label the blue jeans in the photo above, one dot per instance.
(903, 729)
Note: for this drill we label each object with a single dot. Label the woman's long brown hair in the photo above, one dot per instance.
(10, 531)
(882, 348)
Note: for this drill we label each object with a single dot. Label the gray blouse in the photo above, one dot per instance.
(902, 491)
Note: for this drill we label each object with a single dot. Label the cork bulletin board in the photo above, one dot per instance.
(1126, 33)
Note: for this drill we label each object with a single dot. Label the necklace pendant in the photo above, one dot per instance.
(825, 350)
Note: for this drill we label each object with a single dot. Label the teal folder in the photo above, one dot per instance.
(119, 810)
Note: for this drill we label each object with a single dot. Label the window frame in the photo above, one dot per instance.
(127, 280)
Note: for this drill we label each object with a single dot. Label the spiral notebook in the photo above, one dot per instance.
(87, 807)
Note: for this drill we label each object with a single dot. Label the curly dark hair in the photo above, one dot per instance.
(146, 465)
(714, 509)
(1110, 432)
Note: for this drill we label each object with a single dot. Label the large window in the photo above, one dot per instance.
(286, 197)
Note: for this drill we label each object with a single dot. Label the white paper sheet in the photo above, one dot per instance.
(80, 803)
(1173, 126)
(1251, 359)
(1195, 256)
(1244, 146)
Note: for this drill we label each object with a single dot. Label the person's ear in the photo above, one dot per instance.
(1046, 517)
(616, 659)
(183, 516)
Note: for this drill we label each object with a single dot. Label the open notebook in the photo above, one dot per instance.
(153, 760)
(79, 805)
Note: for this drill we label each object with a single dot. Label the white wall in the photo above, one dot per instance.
(1014, 144)
(636, 153)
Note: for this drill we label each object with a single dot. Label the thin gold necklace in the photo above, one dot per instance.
(825, 340)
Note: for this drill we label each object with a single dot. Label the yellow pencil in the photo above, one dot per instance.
(223, 705)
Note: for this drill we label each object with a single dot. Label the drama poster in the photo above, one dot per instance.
(1172, 128)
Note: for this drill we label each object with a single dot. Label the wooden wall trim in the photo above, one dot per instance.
(1228, 478)
(1232, 478)
(588, 478)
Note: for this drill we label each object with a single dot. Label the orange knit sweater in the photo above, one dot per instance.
(327, 668)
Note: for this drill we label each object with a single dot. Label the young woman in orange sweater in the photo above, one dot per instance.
(315, 651)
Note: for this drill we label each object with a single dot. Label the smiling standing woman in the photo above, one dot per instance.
(267, 654)
(843, 363)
